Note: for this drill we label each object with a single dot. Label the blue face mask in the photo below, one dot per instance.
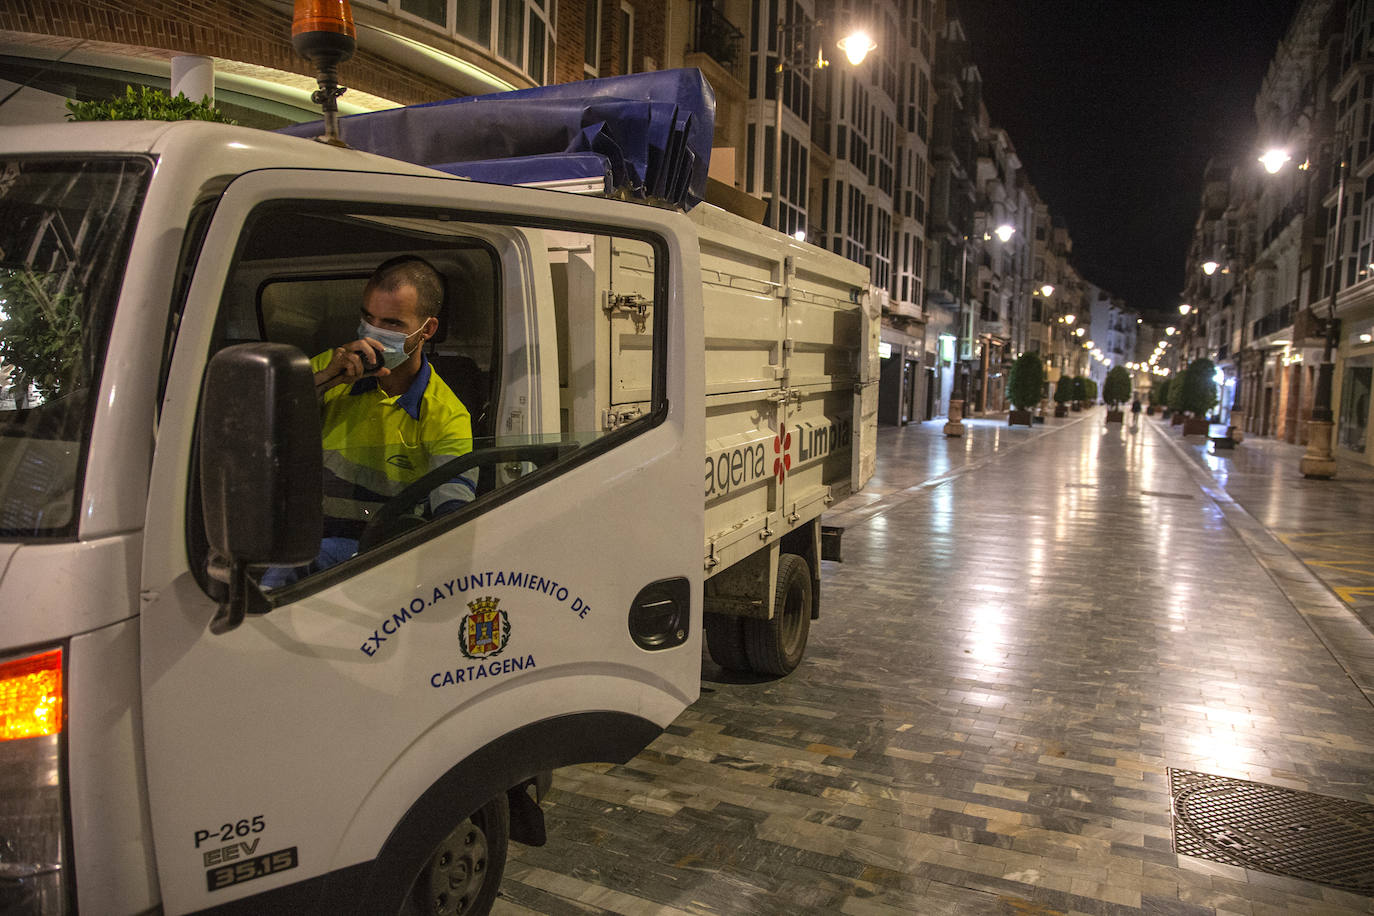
(393, 343)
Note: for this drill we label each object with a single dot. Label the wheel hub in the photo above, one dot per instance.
(455, 874)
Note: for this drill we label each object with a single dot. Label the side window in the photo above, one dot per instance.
(532, 349)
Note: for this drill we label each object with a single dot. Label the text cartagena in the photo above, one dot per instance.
(470, 673)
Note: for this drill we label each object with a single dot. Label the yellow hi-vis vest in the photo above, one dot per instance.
(375, 444)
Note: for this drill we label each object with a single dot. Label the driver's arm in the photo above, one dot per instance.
(456, 441)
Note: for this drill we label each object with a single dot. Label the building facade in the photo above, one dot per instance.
(893, 162)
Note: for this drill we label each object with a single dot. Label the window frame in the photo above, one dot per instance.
(657, 412)
(530, 11)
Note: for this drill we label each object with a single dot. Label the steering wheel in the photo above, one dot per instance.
(394, 514)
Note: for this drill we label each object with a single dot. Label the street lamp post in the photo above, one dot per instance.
(1318, 462)
(954, 426)
(855, 46)
(1235, 431)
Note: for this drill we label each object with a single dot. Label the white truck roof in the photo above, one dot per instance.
(215, 149)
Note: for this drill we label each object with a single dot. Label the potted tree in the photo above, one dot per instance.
(1197, 395)
(1116, 391)
(1024, 384)
(1080, 391)
(1089, 391)
(1156, 398)
(1174, 400)
(1063, 394)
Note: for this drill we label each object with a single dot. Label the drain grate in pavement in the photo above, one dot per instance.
(1272, 829)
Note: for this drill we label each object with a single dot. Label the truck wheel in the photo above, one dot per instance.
(725, 640)
(464, 873)
(776, 646)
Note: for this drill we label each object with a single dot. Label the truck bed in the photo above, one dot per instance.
(791, 371)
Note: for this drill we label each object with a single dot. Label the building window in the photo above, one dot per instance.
(518, 31)
(1355, 395)
(591, 47)
(627, 38)
(435, 11)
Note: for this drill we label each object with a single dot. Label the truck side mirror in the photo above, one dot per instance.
(260, 468)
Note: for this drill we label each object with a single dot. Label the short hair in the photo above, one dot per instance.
(410, 270)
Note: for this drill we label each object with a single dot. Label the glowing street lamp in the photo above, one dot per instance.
(1209, 267)
(1047, 290)
(1081, 331)
(1004, 232)
(856, 46)
(1274, 159)
(1171, 330)
(1184, 309)
(1070, 319)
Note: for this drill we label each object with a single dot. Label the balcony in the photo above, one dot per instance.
(1275, 321)
(719, 39)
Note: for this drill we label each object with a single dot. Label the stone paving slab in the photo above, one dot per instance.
(1327, 524)
(1030, 627)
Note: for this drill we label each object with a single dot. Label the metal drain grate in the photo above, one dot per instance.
(1271, 829)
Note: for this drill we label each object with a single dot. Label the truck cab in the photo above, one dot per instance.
(179, 734)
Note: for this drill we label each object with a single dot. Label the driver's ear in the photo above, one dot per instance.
(430, 328)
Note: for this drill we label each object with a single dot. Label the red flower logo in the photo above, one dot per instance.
(782, 444)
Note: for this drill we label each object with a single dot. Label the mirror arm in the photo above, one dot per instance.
(237, 593)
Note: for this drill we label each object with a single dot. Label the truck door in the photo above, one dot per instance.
(314, 752)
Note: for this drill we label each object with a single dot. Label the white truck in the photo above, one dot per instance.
(176, 737)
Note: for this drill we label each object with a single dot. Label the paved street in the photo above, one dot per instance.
(1030, 628)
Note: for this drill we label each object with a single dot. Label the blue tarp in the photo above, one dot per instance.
(652, 132)
(555, 170)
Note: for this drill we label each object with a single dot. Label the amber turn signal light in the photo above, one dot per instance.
(31, 696)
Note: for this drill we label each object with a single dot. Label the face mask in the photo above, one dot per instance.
(393, 343)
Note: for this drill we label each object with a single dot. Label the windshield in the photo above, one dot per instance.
(65, 226)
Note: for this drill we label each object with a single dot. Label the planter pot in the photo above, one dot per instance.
(1061, 410)
(1020, 418)
(1196, 426)
(1114, 416)
(1077, 406)
(1176, 420)
(1150, 411)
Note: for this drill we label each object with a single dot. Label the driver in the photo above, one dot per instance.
(387, 418)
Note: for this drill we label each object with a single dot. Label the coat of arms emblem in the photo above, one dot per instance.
(486, 630)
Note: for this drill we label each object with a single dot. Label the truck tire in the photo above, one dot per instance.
(776, 646)
(464, 873)
(725, 641)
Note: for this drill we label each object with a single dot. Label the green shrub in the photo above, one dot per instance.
(40, 334)
(1198, 394)
(1089, 390)
(1064, 389)
(145, 104)
(1174, 398)
(1117, 389)
(1026, 381)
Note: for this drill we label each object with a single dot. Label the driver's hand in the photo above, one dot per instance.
(350, 363)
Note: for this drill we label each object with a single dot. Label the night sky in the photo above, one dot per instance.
(1114, 107)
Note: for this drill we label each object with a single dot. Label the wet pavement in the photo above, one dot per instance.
(1030, 628)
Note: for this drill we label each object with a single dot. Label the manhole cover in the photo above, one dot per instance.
(1267, 828)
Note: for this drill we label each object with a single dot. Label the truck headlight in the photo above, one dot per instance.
(32, 822)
